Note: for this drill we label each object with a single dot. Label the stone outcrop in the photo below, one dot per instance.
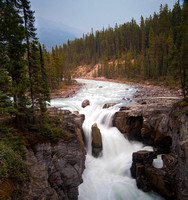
(130, 126)
(55, 171)
(179, 129)
(166, 129)
(96, 141)
(72, 121)
(147, 123)
(149, 178)
(85, 103)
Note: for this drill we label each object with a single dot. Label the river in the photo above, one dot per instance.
(107, 177)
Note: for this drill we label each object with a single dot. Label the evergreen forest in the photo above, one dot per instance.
(154, 50)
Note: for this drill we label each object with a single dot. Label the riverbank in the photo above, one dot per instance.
(66, 91)
(146, 93)
(146, 89)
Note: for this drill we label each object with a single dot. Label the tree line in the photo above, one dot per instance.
(156, 49)
(24, 90)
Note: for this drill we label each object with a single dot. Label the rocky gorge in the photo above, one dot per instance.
(159, 121)
(164, 125)
(56, 168)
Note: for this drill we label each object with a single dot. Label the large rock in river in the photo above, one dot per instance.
(96, 141)
(85, 103)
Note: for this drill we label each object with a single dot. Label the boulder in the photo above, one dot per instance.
(85, 103)
(96, 141)
(108, 105)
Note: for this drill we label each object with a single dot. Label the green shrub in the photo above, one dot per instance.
(54, 133)
(12, 165)
(9, 136)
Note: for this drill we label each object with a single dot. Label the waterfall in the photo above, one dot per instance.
(108, 176)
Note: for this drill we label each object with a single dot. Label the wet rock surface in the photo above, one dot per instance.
(85, 103)
(130, 126)
(96, 141)
(108, 105)
(149, 178)
(149, 123)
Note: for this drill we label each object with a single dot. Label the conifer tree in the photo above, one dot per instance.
(151, 53)
(183, 59)
(12, 35)
(30, 35)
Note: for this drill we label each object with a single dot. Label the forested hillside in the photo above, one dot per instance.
(156, 49)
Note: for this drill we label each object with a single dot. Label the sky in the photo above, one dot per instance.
(86, 14)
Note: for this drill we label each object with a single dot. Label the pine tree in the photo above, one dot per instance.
(151, 53)
(30, 35)
(45, 93)
(183, 58)
(12, 35)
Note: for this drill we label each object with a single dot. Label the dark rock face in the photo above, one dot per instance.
(166, 129)
(85, 103)
(96, 141)
(157, 139)
(149, 178)
(73, 121)
(179, 127)
(129, 125)
(147, 123)
(55, 170)
(141, 158)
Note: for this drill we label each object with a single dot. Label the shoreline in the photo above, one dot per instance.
(69, 91)
(146, 93)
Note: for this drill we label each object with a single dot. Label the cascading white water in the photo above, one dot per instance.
(107, 177)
